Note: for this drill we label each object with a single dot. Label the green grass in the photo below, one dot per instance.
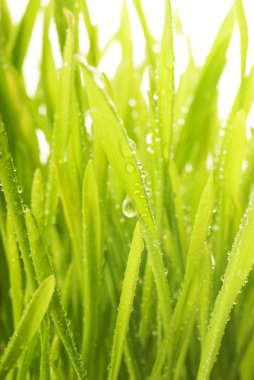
(128, 254)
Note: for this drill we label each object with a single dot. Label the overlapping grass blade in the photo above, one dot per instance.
(43, 268)
(122, 157)
(188, 297)
(238, 269)
(28, 325)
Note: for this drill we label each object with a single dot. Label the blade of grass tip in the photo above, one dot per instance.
(239, 266)
(92, 252)
(14, 203)
(244, 37)
(28, 325)
(24, 32)
(244, 97)
(121, 155)
(195, 251)
(164, 95)
(15, 272)
(205, 92)
(43, 268)
(126, 301)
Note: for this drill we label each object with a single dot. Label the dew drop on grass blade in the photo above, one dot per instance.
(28, 325)
(13, 199)
(126, 301)
(120, 154)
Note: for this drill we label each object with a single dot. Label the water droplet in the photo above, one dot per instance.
(130, 167)
(132, 102)
(20, 189)
(24, 208)
(188, 168)
(88, 120)
(128, 208)
(149, 137)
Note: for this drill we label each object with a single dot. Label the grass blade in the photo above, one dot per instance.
(122, 157)
(239, 266)
(28, 325)
(126, 302)
(92, 263)
(43, 268)
(165, 83)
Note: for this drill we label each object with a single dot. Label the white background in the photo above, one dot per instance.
(201, 20)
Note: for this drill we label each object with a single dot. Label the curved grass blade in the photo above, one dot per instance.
(205, 93)
(28, 325)
(238, 269)
(120, 154)
(126, 301)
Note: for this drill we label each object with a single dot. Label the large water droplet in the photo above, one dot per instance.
(128, 208)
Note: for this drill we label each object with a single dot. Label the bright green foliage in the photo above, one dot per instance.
(170, 298)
